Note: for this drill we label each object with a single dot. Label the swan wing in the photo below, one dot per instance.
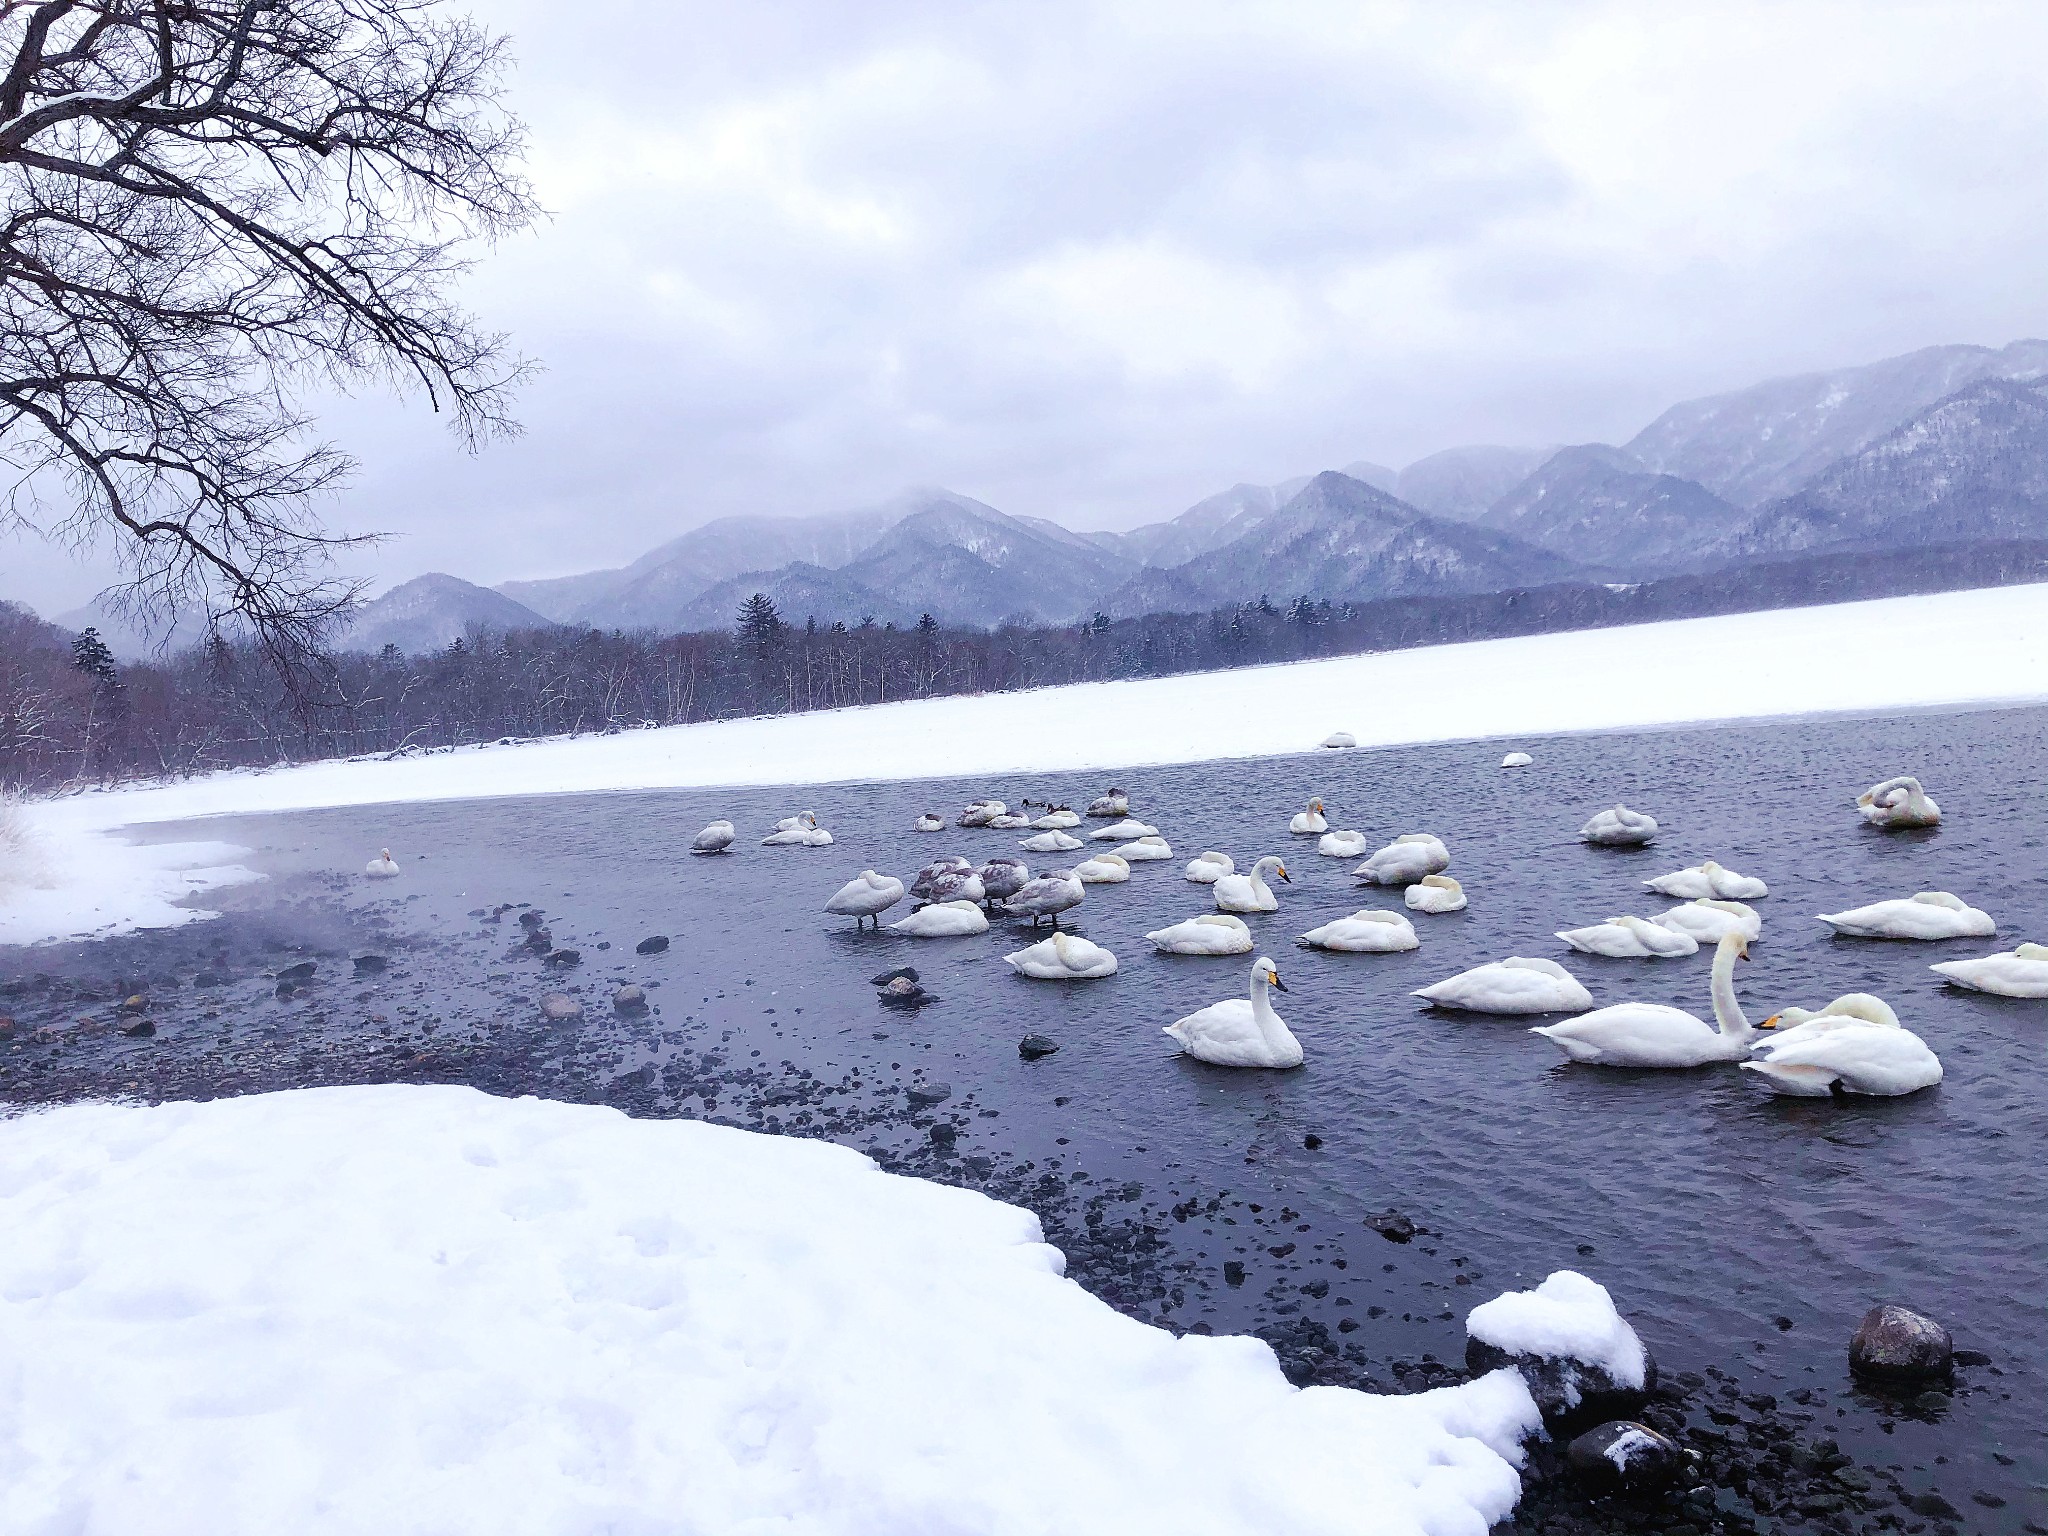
(1636, 1035)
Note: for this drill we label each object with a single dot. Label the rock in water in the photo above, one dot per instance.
(559, 1007)
(924, 1095)
(1895, 1343)
(1392, 1225)
(370, 965)
(563, 959)
(295, 974)
(654, 944)
(629, 998)
(1031, 1047)
(1625, 1454)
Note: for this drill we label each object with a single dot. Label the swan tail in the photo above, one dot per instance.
(1574, 1050)
(1798, 1081)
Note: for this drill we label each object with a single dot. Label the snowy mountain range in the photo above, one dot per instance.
(1944, 446)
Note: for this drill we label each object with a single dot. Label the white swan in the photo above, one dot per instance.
(1710, 920)
(788, 823)
(1929, 915)
(1207, 867)
(1250, 893)
(1063, 957)
(1049, 895)
(1341, 845)
(1050, 842)
(1708, 878)
(1517, 760)
(715, 838)
(942, 920)
(1406, 860)
(1122, 831)
(1241, 1032)
(1309, 823)
(980, 813)
(1103, 868)
(1435, 893)
(1008, 821)
(1213, 933)
(1824, 1057)
(1898, 802)
(1514, 985)
(2023, 973)
(1057, 821)
(930, 823)
(1146, 850)
(382, 867)
(1364, 933)
(1619, 828)
(1630, 938)
(1857, 1008)
(1658, 1035)
(805, 834)
(1337, 740)
(866, 895)
(1113, 803)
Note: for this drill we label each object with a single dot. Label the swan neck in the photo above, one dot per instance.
(1262, 1008)
(1727, 1011)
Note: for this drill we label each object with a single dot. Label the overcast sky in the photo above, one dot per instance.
(1093, 262)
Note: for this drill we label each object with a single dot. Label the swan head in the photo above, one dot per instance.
(1736, 943)
(1269, 973)
(2032, 952)
(384, 854)
(1315, 807)
(1270, 865)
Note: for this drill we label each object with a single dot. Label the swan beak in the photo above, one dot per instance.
(1282, 872)
(1771, 1022)
(1278, 984)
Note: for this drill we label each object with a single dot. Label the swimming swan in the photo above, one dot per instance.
(1114, 803)
(942, 920)
(382, 867)
(1250, 893)
(1630, 938)
(1898, 802)
(1338, 740)
(1309, 823)
(1619, 828)
(1929, 915)
(1213, 933)
(1435, 893)
(805, 834)
(1049, 895)
(715, 838)
(930, 823)
(1146, 850)
(1208, 867)
(1517, 760)
(1707, 921)
(1063, 957)
(1103, 868)
(1708, 878)
(1406, 860)
(1657, 1035)
(1364, 933)
(1057, 820)
(1050, 842)
(1008, 821)
(1514, 985)
(1241, 1032)
(1341, 845)
(1123, 831)
(948, 879)
(980, 813)
(1825, 1057)
(2023, 973)
(865, 896)
(1850, 1008)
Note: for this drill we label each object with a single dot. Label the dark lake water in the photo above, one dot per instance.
(1736, 1230)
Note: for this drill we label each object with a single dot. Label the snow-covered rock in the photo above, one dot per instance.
(1577, 1353)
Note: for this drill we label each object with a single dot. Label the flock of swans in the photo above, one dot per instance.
(1853, 1045)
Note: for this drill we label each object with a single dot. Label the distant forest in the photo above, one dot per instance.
(71, 715)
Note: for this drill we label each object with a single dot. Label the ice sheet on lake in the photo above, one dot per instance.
(380, 1309)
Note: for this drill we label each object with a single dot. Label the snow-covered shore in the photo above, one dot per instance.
(1895, 653)
(425, 1309)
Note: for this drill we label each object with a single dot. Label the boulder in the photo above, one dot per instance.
(1581, 1360)
(653, 944)
(629, 998)
(1031, 1047)
(1895, 1343)
(1625, 1454)
(559, 1007)
(924, 1095)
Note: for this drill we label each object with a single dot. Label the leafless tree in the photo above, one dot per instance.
(213, 208)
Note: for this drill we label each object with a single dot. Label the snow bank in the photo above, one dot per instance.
(73, 884)
(1950, 648)
(405, 1309)
(1568, 1317)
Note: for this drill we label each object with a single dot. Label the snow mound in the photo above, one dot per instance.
(398, 1309)
(71, 887)
(1568, 1316)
